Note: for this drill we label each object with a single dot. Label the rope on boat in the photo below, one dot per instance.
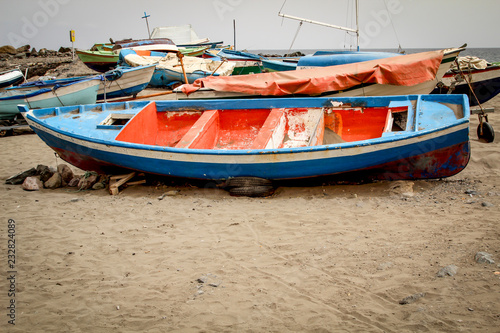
(86, 175)
(295, 37)
(483, 113)
(400, 49)
(104, 79)
(111, 82)
(55, 93)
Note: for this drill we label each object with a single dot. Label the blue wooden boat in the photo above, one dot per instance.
(388, 137)
(119, 82)
(80, 92)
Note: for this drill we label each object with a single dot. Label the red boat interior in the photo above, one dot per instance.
(260, 128)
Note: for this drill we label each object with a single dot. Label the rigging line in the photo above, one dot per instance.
(296, 34)
(346, 21)
(348, 36)
(282, 19)
(55, 93)
(353, 23)
(400, 49)
(283, 5)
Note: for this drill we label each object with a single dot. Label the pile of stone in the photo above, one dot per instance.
(32, 62)
(23, 52)
(296, 54)
(43, 176)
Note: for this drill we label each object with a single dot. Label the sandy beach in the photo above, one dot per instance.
(338, 258)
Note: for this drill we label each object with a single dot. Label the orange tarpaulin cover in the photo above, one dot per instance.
(407, 70)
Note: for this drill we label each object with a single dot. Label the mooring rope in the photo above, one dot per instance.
(483, 113)
(55, 93)
(296, 34)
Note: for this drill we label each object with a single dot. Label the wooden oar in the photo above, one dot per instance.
(222, 62)
(180, 56)
(140, 97)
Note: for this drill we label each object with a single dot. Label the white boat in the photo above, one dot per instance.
(10, 77)
(171, 69)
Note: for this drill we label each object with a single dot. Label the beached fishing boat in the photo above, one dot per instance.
(104, 60)
(156, 44)
(100, 61)
(119, 82)
(170, 69)
(135, 43)
(416, 73)
(80, 92)
(390, 137)
(475, 77)
(104, 57)
(10, 77)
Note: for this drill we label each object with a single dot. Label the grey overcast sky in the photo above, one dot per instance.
(383, 23)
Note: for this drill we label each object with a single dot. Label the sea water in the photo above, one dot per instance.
(489, 54)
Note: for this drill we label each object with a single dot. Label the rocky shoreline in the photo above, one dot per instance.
(57, 64)
(43, 62)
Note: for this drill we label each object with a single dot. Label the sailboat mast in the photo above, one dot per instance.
(326, 24)
(357, 24)
(316, 22)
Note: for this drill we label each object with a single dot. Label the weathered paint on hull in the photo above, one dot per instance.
(436, 156)
(403, 169)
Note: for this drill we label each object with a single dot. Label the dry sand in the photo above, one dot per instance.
(309, 259)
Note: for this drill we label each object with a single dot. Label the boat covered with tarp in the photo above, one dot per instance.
(416, 73)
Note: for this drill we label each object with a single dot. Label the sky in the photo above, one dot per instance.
(383, 23)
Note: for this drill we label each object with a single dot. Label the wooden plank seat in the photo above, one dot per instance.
(281, 128)
(226, 129)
